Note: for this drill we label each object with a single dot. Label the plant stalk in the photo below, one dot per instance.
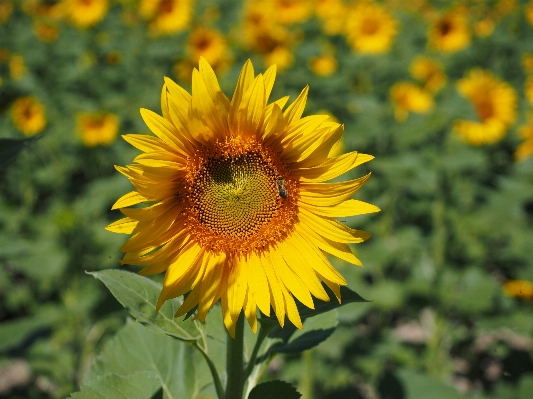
(235, 362)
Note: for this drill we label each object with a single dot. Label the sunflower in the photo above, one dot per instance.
(323, 65)
(525, 149)
(239, 210)
(86, 13)
(519, 289)
(529, 12)
(292, 11)
(429, 72)
(408, 97)
(97, 128)
(495, 104)
(264, 35)
(527, 62)
(28, 115)
(332, 14)
(528, 89)
(6, 8)
(17, 67)
(370, 29)
(450, 32)
(45, 31)
(166, 16)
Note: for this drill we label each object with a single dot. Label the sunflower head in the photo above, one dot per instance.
(28, 115)
(370, 29)
(237, 208)
(407, 97)
(166, 16)
(99, 128)
(494, 102)
(450, 32)
(86, 13)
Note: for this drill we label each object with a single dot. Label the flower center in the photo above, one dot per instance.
(235, 196)
(239, 198)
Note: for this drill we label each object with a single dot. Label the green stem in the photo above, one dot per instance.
(213, 370)
(263, 333)
(235, 362)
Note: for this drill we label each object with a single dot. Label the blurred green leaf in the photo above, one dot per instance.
(274, 390)
(139, 385)
(14, 332)
(420, 386)
(10, 148)
(139, 295)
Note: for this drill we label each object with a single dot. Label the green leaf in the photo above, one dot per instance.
(139, 385)
(422, 386)
(315, 331)
(135, 349)
(14, 332)
(274, 390)
(139, 295)
(10, 148)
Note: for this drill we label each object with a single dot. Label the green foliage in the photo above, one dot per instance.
(274, 390)
(10, 148)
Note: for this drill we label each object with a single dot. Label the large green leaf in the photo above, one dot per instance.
(139, 385)
(274, 390)
(175, 364)
(10, 148)
(139, 295)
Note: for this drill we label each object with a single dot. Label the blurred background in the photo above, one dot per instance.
(441, 92)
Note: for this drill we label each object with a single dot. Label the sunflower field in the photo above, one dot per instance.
(439, 92)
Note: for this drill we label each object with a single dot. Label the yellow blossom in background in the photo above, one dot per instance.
(370, 29)
(208, 43)
(323, 65)
(429, 73)
(17, 67)
(238, 208)
(6, 8)
(46, 32)
(408, 97)
(504, 7)
(450, 32)
(97, 128)
(519, 289)
(529, 12)
(484, 27)
(49, 10)
(525, 149)
(495, 104)
(265, 36)
(28, 115)
(528, 89)
(527, 62)
(183, 70)
(86, 13)
(292, 11)
(332, 14)
(166, 16)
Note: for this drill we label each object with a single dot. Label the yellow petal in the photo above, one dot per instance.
(347, 208)
(258, 284)
(296, 109)
(129, 199)
(332, 168)
(329, 194)
(122, 226)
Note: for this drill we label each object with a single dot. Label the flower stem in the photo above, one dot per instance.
(235, 362)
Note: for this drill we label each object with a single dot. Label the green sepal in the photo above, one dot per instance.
(274, 390)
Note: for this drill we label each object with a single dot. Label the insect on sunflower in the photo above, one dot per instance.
(237, 205)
